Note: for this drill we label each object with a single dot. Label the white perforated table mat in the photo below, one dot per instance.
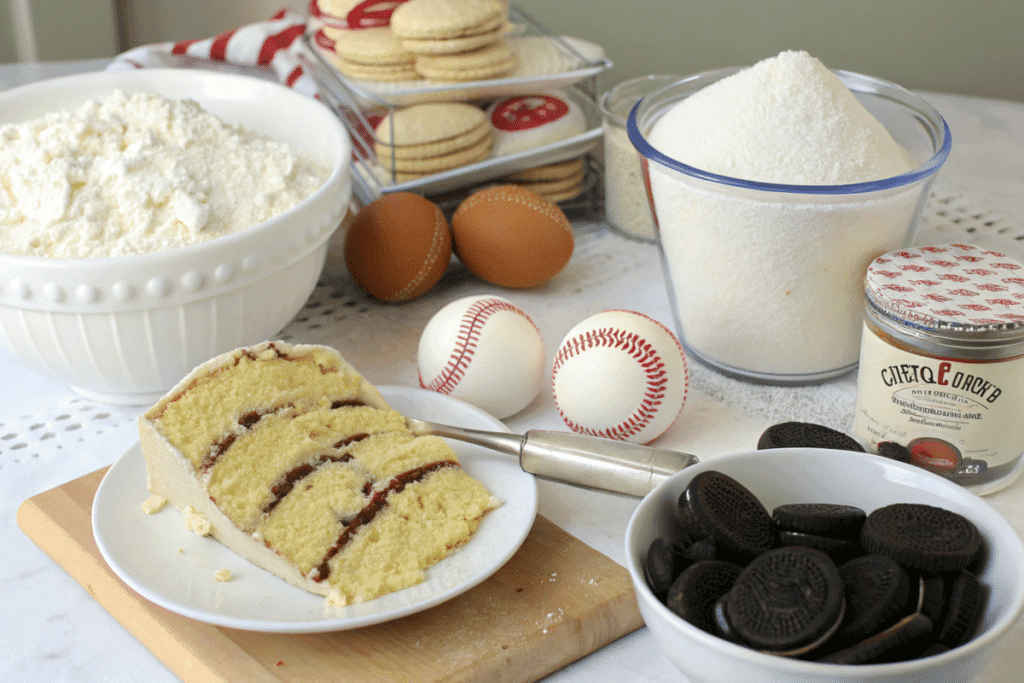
(381, 339)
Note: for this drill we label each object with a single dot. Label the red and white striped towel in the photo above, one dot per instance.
(274, 44)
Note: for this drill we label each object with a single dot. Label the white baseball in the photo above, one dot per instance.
(484, 350)
(621, 375)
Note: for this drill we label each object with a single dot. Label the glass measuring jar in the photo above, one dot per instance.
(627, 210)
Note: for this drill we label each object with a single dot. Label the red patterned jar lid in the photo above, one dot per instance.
(953, 287)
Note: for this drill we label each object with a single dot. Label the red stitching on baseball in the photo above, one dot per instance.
(639, 349)
(471, 326)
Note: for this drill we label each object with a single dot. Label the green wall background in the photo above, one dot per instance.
(972, 47)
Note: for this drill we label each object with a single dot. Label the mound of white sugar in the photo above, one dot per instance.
(770, 284)
(787, 120)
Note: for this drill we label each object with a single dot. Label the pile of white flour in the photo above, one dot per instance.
(772, 283)
(137, 173)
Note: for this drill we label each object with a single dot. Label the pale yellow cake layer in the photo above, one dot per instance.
(307, 522)
(209, 406)
(241, 479)
(386, 463)
(418, 527)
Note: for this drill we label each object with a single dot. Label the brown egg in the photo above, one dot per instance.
(512, 237)
(398, 246)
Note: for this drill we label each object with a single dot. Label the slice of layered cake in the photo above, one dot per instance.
(289, 457)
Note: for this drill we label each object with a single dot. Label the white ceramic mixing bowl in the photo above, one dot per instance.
(795, 475)
(126, 329)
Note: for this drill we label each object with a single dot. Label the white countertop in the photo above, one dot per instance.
(54, 631)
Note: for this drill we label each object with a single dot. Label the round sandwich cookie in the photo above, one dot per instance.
(431, 138)
(560, 170)
(701, 551)
(893, 451)
(933, 596)
(430, 124)
(488, 34)
(372, 46)
(921, 537)
(523, 122)
(694, 593)
(662, 565)
(434, 19)
(839, 550)
(720, 621)
(877, 592)
(826, 519)
(494, 60)
(472, 154)
(904, 640)
(787, 600)
(369, 59)
(728, 515)
(806, 435)
(964, 610)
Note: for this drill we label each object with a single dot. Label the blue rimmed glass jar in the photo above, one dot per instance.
(765, 279)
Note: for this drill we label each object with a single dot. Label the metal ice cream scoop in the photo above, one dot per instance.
(588, 461)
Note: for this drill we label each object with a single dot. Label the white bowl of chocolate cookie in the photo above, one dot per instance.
(154, 218)
(811, 565)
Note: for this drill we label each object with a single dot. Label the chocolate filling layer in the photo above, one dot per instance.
(249, 420)
(289, 480)
(376, 504)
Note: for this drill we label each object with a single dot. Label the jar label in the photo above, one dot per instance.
(950, 414)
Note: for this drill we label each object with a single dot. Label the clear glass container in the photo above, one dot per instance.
(627, 209)
(766, 279)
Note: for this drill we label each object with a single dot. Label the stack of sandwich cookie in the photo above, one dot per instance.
(425, 139)
(456, 40)
(557, 182)
(372, 54)
(295, 462)
(902, 588)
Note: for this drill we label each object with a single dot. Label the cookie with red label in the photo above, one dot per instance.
(354, 14)
(524, 122)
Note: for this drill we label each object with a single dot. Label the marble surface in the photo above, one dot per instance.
(54, 631)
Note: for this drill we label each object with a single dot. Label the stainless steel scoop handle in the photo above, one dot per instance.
(588, 461)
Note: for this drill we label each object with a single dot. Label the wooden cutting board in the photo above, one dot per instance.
(555, 601)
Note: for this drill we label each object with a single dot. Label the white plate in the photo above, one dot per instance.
(174, 568)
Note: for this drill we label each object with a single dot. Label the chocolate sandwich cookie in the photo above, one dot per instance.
(877, 591)
(963, 613)
(824, 519)
(720, 620)
(693, 595)
(933, 597)
(921, 537)
(906, 639)
(701, 551)
(728, 514)
(806, 435)
(893, 451)
(786, 599)
(840, 550)
(664, 562)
